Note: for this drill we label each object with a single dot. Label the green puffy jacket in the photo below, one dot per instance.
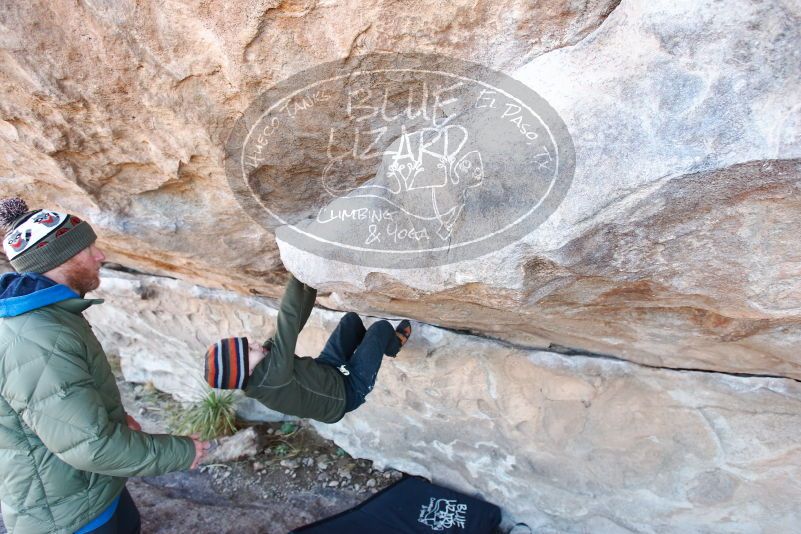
(65, 448)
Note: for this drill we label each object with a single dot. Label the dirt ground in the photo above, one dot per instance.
(296, 478)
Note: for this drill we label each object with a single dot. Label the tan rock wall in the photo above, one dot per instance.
(119, 111)
(676, 247)
(563, 443)
(670, 249)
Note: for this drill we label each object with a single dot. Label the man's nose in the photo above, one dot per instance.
(99, 256)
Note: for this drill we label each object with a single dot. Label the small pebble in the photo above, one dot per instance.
(291, 464)
(258, 466)
(371, 483)
(333, 484)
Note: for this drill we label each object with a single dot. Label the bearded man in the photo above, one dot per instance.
(66, 443)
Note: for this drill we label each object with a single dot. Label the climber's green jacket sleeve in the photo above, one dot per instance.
(296, 306)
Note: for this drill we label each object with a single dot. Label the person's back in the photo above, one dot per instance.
(313, 391)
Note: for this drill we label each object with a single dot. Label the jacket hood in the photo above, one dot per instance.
(24, 292)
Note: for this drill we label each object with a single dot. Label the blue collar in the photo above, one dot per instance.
(24, 292)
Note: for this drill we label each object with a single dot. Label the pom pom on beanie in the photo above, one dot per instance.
(11, 209)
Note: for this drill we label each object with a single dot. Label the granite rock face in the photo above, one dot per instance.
(701, 272)
(576, 444)
(671, 248)
(563, 443)
(119, 110)
(674, 244)
(669, 272)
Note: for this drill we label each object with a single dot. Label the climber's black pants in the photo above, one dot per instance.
(357, 353)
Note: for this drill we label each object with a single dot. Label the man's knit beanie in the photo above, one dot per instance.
(227, 363)
(37, 241)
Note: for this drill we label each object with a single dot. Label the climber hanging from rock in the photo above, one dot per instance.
(323, 388)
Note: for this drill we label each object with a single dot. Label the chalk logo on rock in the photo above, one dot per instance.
(426, 179)
(400, 160)
(441, 514)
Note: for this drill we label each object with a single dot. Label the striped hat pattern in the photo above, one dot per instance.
(227, 363)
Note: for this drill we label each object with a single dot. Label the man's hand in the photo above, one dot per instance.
(255, 354)
(201, 448)
(132, 424)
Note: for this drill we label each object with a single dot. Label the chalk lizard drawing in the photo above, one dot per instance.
(423, 173)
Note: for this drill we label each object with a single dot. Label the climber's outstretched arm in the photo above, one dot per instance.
(296, 306)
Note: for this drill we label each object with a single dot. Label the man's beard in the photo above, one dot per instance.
(82, 280)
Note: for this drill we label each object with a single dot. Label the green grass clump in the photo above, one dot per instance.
(288, 427)
(211, 417)
(282, 449)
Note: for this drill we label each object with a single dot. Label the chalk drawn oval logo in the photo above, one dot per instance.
(400, 160)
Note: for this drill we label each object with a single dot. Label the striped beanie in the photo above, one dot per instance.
(227, 363)
(40, 240)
